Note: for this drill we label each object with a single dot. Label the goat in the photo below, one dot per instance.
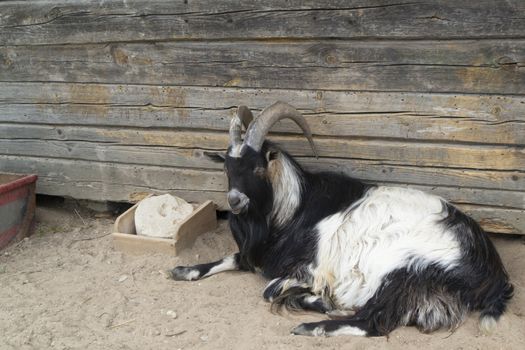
(330, 243)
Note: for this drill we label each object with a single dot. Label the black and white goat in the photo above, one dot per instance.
(330, 243)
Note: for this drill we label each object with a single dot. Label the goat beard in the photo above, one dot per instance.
(251, 232)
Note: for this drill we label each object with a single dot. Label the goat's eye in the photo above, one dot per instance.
(259, 171)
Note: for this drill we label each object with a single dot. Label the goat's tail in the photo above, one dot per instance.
(494, 306)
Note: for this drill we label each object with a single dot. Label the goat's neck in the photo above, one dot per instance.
(287, 183)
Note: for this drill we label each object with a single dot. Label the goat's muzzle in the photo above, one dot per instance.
(237, 201)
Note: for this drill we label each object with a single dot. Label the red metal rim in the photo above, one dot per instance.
(18, 183)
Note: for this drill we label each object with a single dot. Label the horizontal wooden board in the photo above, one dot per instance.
(411, 125)
(99, 176)
(497, 220)
(379, 171)
(471, 196)
(490, 66)
(390, 152)
(443, 179)
(96, 181)
(118, 174)
(447, 117)
(369, 170)
(51, 22)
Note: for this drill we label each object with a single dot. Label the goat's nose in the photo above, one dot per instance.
(234, 199)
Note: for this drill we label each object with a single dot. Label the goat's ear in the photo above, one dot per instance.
(271, 155)
(217, 157)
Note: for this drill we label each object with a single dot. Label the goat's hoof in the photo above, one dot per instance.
(273, 289)
(167, 274)
(184, 273)
(309, 329)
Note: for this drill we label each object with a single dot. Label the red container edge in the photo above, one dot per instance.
(25, 180)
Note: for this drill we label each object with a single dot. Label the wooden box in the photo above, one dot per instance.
(125, 238)
(17, 207)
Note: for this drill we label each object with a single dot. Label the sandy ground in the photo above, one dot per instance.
(67, 288)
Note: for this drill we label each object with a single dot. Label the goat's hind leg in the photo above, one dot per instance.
(294, 295)
(196, 272)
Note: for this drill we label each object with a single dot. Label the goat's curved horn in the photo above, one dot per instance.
(260, 127)
(244, 117)
(235, 132)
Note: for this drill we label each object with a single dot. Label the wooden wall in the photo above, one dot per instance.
(108, 101)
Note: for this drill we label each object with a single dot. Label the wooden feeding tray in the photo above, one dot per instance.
(125, 238)
(17, 207)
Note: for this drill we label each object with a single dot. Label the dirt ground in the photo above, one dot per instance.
(66, 287)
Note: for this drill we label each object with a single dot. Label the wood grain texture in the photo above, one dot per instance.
(158, 175)
(489, 66)
(491, 157)
(406, 125)
(76, 172)
(459, 185)
(203, 219)
(452, 118)
(496, 220)
(473, 196)
(194, 158)
(58, 22)
(118, 182)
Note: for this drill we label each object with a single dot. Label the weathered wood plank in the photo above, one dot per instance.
(496, 108)
(102, 181)
(116, 182)
(394, 124)
(49, 22)
(366, 170)
(445, 66)
(492, 157)
(377, 171)
(369, 170)
(497, 220)
(469, 196)
(77, 171)
(464, 118)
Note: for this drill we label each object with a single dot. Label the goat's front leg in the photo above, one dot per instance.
(196, 272)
